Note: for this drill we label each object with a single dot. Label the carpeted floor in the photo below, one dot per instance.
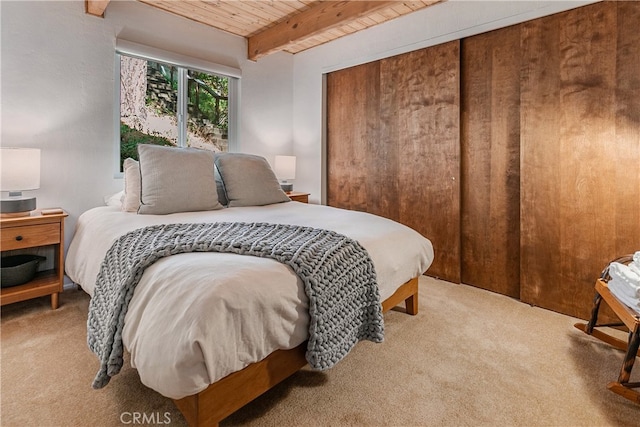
(469, 358)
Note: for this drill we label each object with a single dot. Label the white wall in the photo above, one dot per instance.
(57, 93)
(57, 76)
(266, 112)
(443, 22)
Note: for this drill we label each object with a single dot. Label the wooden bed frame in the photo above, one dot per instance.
(232, 392)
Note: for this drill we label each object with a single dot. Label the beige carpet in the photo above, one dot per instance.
(470, 357)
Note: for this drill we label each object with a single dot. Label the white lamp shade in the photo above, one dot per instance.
(285, 167)
(20, 169)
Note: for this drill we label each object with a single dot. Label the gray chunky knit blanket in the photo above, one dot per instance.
(337, 272)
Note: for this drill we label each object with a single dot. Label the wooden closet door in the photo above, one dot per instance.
(393, 145)
(359, 167)
(420, 114)
(490, 161)
(580, 142)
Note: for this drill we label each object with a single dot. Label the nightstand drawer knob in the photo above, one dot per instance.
(18, 238)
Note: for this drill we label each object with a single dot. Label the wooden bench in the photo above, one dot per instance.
(630, 319)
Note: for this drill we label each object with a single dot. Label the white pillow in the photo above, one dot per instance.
(114, 199)
(131, 198)
(249, 180)
(176, 180)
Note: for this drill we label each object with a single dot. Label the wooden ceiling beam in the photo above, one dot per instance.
(96, 7)
(320, 17)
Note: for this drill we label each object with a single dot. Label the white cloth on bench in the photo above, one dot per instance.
(625, 282)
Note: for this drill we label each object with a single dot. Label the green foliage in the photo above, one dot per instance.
(208, 95)
(169, 72)
(209, 98)
(208, 106)
(130, 138)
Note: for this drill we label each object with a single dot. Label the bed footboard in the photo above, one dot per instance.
(232, 392)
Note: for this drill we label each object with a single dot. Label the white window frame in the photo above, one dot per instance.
(183, 63)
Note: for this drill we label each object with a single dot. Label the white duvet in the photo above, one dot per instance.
(196, 317)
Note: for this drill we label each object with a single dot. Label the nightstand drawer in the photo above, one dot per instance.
(30, 236)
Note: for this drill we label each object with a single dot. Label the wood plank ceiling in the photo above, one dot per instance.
(281, 25)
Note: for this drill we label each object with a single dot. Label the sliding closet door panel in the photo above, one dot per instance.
(579, 150)
(490, 160)
(393, 145)
(421, 114)
(626, 170)
(360, 168)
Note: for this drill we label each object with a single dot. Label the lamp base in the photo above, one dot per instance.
(287, 187)
(17, 206)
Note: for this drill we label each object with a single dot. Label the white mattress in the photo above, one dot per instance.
(197, 317)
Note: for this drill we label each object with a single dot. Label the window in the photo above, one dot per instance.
(165, 100)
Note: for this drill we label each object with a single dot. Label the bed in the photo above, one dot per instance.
(213, 331)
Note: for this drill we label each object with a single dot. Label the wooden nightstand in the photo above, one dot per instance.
(29, 232)
(297, 196)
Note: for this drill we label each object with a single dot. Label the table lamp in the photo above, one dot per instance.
(20, 172)
(285, 169)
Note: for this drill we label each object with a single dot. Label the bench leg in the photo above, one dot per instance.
(594, 314)
(630, 358)
(623, 387)
(589, 328)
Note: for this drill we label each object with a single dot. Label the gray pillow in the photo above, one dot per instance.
(176, 180)
(249, 180)
(222, 196)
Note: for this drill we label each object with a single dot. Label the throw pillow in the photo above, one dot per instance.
(131, 198)
(249, 180)
(176, 180)
(222, 196)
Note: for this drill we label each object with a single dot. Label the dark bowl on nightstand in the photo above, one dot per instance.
(18, 269)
